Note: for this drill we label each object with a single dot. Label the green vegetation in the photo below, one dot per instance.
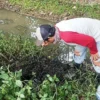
(14, 47)
(25, 68)
(16, 53)
(59, 7)
(13, 88)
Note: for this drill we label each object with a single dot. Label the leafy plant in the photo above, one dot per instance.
(60, 7)
(12, 88)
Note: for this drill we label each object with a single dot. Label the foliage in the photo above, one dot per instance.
(60, 7)
(16, 47)
(16, 44)
(13, 88)
(74, 89)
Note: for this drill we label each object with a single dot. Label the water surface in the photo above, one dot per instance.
(12, 22)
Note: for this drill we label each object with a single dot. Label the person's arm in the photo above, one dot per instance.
(81, 39)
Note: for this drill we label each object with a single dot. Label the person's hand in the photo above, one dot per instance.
(77, 53)
(96, 63)
(95, 56)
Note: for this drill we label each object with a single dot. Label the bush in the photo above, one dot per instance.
(31, 73)
(13, 88)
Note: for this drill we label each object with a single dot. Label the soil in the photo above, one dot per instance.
(40, 66)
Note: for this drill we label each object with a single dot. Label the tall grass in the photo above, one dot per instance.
(60, 7)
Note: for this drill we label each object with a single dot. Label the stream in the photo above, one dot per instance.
(14, 23)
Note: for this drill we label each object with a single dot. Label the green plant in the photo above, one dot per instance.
(50, 89)
(60, 7)
(12, 88)
(14, 48)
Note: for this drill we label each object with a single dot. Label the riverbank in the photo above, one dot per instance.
(25, 67)
(52, 10)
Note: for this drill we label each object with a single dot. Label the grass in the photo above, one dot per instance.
(58, 7)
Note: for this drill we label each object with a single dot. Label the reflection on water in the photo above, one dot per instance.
(6, 21)
(11, 22)
(66, 54)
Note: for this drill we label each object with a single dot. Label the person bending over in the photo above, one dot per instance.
(82, 32)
